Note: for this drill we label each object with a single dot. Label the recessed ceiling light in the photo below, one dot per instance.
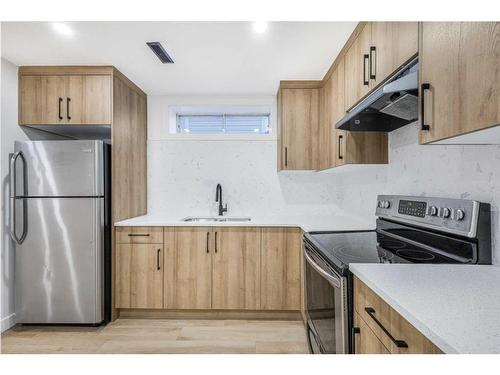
(62, 28)
(260, 27)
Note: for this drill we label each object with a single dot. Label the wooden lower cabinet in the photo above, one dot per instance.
(377, 326)
(139, 282)
(365, 341)
(209, 268)
(281, 272)
(236, 268)
(192, 281)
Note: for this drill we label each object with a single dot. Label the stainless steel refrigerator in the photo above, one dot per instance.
(60, 222)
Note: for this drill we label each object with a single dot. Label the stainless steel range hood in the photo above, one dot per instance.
(391, 106)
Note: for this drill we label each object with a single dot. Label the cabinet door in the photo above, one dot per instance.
(281, 274)
(438, 64)
(357, 58)
(192, 284)
(236, 268)
(300, 127)
(139, 276)
(31, 109)
(365, 341)
(73, 100)
(460, 63)
(96, 106)
(393, 44)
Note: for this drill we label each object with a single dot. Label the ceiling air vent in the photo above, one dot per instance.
(159, 51)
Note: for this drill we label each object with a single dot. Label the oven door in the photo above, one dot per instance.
(326, 304)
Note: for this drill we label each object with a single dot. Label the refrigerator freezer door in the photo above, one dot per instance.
(59, 169)
(59, 266)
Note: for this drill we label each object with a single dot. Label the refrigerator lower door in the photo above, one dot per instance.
(59, 265)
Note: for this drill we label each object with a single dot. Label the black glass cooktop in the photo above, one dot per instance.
(342, 248)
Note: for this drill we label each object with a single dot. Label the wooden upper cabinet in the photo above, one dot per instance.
(64, 99)
(281, 271)
(139, 276)
(299, 128)
(392, 45)
(460, 62)
(192, 281)
(357, 66)
(236, 268)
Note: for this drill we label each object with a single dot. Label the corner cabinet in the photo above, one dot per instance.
(459, 79)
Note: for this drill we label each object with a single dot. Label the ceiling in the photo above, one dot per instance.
(217, 58)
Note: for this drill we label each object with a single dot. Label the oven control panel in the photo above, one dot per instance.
(457, 216)
(412, 208)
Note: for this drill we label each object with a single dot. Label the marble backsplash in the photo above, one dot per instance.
(183, 176)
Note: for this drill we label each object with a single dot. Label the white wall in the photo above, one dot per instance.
(10, 132)
(182, 176)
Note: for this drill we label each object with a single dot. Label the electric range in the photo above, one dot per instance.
(408, 230)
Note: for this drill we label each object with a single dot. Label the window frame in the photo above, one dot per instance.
(230, 106)
(224, 115)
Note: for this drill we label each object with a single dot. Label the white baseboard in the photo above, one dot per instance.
(8, 322)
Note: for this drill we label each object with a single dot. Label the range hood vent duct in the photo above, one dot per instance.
(159, 51)
(392, 105)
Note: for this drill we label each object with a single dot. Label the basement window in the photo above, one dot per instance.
(223, 123)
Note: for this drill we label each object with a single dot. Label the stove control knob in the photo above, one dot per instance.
(445, 212)
(432, 210)
(458, 214)
(386, 204)
(379, 204)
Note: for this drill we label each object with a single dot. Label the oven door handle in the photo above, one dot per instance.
(332, 279)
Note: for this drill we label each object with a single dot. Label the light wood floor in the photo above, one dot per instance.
(161, 336)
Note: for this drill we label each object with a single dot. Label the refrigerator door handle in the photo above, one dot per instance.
(13, 196)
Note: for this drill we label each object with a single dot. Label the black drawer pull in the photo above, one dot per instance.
(208, 240)
(67, 108)
(158, 259)
(423, 88)
(286, 157)
(373, 62)
(59, 113)
(399, 343)
(366, 59)
(138, 234)
(340, 147)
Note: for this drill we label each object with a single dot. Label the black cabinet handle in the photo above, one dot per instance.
(354, 332)
(286, 157)
(215, 242)
(67, 108)
(423, 88)
(138, 234)
(158, 259)
(373, 62)
(366, 58)
(208, 238)
(340, 146)
(60, 101)
(399, 343)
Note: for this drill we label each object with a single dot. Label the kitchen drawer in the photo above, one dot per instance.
(365, 298)
(396, 327)
(139, 235)
(365, 341)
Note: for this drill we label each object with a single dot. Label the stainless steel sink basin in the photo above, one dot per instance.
(217, 219)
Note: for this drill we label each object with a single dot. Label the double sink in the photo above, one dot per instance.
(216, 219)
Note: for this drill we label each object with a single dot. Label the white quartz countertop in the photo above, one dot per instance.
(307, 223)
(457, 307)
